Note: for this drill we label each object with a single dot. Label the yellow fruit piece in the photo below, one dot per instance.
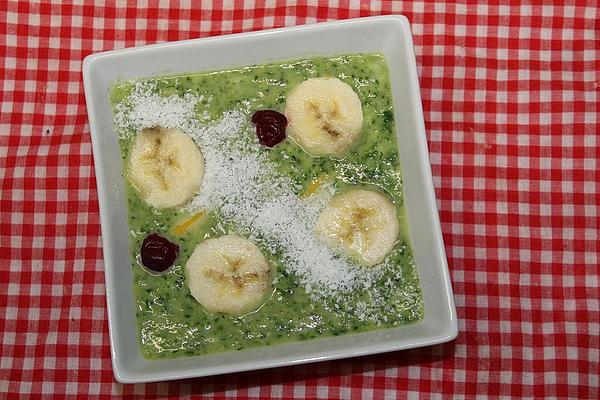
(188, 223)
(314, 185)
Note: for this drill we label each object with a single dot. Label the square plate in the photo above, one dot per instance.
(389, 36)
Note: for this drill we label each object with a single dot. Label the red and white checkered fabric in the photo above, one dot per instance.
(511, 98)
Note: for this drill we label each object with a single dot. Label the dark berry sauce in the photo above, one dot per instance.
(158, 253)
(270, 127)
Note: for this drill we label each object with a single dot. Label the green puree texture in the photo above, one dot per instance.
(171, 323)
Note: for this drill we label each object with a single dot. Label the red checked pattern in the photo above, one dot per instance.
(511, 100)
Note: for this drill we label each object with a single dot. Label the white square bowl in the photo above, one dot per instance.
(389, 36)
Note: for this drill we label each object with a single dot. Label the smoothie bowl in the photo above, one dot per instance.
(266, 200)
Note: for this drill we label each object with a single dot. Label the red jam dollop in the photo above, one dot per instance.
(158, 253)
(270, 127)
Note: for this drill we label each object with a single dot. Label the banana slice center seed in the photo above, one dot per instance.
(325, 117)
(358, 225)
(233, 276)
(158, 160)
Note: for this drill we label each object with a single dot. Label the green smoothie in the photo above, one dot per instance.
(170, 321)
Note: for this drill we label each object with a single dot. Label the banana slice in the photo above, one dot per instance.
(228, 274)
(324, 116)
(361, 224)
(165, 166)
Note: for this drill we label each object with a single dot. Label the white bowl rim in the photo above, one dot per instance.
(129, 373)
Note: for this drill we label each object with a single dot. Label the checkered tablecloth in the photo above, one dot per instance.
(511, 100)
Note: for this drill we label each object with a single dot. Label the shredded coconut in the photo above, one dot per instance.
(145, 108)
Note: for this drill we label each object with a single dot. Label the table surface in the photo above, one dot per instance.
(510, 96)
